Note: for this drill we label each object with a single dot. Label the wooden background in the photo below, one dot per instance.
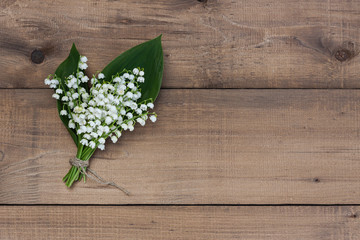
(258, 130)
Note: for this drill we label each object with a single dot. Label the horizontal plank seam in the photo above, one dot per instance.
(190, 205)
(213, 88)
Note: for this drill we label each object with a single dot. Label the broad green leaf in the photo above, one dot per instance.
(148, 55)
(69, 66)
(65, 69)
(65, 120)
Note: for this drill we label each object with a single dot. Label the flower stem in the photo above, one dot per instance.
(74, 174)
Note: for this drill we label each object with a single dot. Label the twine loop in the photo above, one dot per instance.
(82, 164)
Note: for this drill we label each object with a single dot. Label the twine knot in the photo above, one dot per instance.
(82, 164)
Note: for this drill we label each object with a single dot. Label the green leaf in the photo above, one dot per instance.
(69, 66)
(148, 55)
(65, 120)
(65, 69)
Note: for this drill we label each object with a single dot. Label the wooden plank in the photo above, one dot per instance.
(216, 44)
(208, 147)
(191, 222)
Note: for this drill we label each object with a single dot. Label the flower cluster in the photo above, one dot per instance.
(107, 109)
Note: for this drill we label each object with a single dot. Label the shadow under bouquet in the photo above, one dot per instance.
(117, 98)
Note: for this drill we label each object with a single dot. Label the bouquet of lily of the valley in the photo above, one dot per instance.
(111, 101)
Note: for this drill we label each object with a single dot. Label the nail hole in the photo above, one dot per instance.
(353, 215)
(316, 180)
(37, 56)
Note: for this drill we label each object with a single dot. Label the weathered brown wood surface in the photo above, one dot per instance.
(144, 222)
(208, 147)
(208, 44)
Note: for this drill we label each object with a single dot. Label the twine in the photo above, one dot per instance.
(82, 164)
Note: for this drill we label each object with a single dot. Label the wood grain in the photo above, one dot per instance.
(209, 44)
(208, 147)
(201, 222)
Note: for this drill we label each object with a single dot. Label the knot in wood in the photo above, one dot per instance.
(37, 56)
(342, 54)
